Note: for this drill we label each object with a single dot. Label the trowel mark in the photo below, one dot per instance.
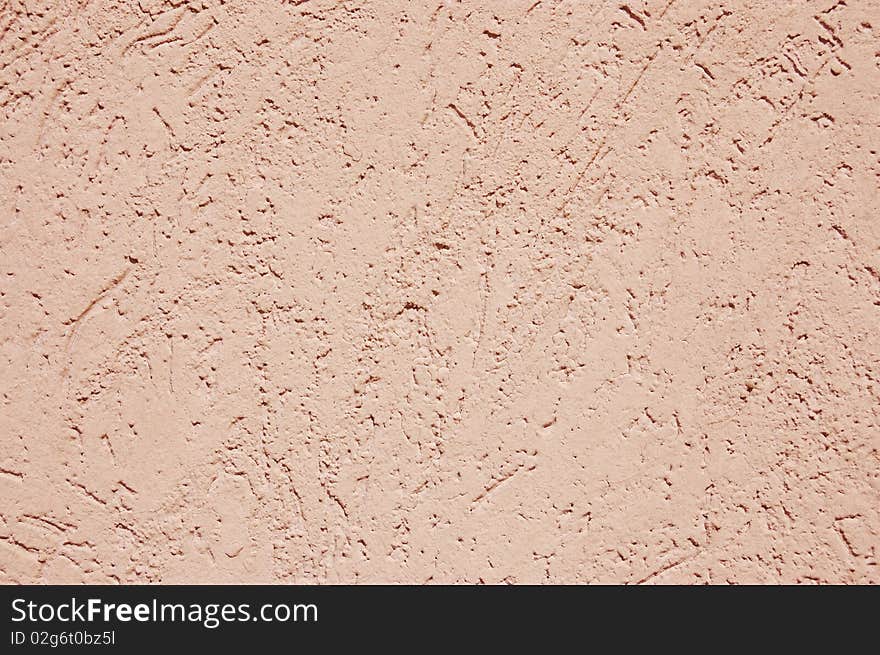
(76, 322)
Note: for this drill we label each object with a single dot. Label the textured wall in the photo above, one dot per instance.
(514, 291)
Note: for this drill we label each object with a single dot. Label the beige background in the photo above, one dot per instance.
(515, 291)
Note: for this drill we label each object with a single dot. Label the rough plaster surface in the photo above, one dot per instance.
(516, 291)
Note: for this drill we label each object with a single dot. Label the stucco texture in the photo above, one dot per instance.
(507, 292)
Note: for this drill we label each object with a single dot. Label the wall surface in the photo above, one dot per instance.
(518, 291)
